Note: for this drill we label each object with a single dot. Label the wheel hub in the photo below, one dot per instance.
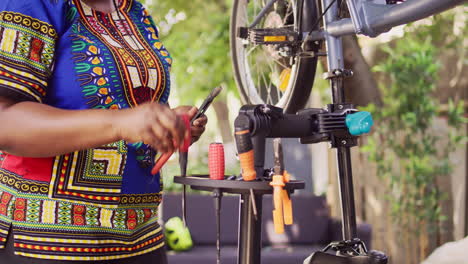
(273, 20)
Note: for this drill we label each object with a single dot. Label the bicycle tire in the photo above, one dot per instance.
(302, 73)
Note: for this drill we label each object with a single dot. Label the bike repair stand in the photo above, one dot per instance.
(351, 249)
(334, 124)
(251, 194)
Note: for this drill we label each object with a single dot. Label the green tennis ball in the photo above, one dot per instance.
(178, 237)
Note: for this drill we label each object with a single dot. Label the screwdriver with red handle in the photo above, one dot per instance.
(183, 149)
(183, 156)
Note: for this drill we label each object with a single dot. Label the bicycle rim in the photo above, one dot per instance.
(262, 74)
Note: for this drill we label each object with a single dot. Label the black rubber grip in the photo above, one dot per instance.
(243, 141)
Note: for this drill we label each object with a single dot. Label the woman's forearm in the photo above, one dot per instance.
(36, 130)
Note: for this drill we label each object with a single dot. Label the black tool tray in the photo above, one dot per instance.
(204, 183)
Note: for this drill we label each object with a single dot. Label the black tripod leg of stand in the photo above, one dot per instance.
(324, 258)
(250, 230)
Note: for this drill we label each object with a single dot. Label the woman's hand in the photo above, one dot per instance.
(198, 126)
(152, 123)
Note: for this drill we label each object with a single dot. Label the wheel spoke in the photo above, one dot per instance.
(246, 21)
(251, 50)
(259, 87)
(268, 89)
(281, 64)
(255, 9)
(272, 71)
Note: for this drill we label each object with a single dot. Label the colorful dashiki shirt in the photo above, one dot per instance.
(97, 204)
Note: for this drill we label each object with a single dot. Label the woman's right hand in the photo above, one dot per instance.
(152, 123)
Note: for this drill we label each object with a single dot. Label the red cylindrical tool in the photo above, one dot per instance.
(216, 161)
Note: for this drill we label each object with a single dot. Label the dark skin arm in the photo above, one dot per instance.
(36, 130)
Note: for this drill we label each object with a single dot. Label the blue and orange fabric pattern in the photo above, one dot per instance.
(96, 204)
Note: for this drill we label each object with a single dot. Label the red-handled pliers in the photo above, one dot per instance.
(183, 149)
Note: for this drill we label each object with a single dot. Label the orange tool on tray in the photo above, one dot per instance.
(282, 212)
(183, 149)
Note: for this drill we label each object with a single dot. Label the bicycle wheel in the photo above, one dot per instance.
(265, 73)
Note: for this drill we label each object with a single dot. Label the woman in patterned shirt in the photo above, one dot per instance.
(83, 92)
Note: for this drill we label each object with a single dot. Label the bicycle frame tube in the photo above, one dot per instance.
(372, 19)
(262, 13)
(269, 5)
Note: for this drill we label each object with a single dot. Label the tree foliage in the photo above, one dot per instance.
(196, 33)
(411, 154)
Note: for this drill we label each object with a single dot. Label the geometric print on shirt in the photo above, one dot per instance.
(45, 212)
(27, 47)
(147, 25)
(92, 176)
(2, 158)
(18, 183)
(113, 57)
(107, 233)
(119, 60)
(31, 189)
(88, 217)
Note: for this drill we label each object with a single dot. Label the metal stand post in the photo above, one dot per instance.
(347, 193)
(250, 230)
(351, 249)
(336, 62)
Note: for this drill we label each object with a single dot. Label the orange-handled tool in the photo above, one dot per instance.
(161, 161)
(282, 212)
(278, 185)
(184, 148)
(287, 203)
(245, 147)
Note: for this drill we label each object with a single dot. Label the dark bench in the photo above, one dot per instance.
(313, 229)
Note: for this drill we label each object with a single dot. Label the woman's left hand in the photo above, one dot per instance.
(199, 124)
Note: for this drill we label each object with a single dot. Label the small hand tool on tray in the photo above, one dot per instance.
(183, 156)
(183, 149)
(282, 213)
